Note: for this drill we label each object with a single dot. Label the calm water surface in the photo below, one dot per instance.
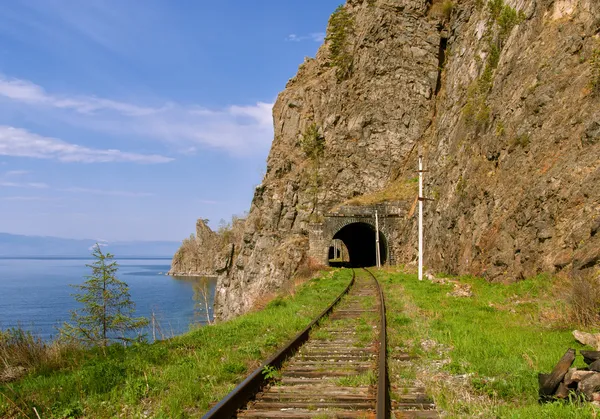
(35, 293)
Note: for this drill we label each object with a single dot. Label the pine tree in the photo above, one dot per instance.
(107, 312)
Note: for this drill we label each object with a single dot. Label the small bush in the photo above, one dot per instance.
(584, 300)
(102, 375)
(495, 8)
(500, 129)
(308, 269)
(277, 302)
(22, 352)
(312, 143)
(234, 368)
(21, 348)
(341, 26)
(442, 9)
(522, 140)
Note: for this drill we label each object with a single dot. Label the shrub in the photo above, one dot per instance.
(584, 300)
(522, 140)
(341, 25)
(19, 351)
(312, 143)
(442, 9)
(495, 7)
(102, 375)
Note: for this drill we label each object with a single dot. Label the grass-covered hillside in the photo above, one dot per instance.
(478, 348)
(176, 378)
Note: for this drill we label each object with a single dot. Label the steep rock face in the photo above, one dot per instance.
(517, 186)
(369, 123)
(496, 96)
(207, 253)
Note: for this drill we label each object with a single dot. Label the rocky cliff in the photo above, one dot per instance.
(501, 98)
(208, 253)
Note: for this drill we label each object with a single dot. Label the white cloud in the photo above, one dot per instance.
(314, 36)
(237, 129)
(97, 245)
(7, 180)
(24, 198)
(11, 173)
(17, 142)
(28, 92)
(36, 185)
(126, 194)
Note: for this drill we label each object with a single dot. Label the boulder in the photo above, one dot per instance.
(588, 339)
(589, 385)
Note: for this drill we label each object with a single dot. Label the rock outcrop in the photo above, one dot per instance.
(502, 100)
(207, 253)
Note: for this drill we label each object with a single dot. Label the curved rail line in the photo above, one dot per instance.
(383, 400)
(309, 365)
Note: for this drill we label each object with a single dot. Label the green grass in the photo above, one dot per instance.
(177, 378)
(358, 380)
(497, 340)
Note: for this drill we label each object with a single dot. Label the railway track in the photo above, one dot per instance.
(336, 368)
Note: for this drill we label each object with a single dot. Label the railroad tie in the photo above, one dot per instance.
(334, 374)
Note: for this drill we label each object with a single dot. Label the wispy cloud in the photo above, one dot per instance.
(17, 142)
(28, 92)
(12, 173)
(237, 129)
(7, 180)
(126, 194)
(315, 37)
(24, 198)
(36, 185)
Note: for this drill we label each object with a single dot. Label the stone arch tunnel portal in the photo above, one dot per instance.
(359, 239)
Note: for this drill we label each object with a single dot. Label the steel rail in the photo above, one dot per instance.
(240, 395)
(382, 406)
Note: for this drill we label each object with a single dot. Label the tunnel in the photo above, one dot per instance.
(359, 239)
(331, 253)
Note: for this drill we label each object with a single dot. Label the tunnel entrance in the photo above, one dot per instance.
(359, 239)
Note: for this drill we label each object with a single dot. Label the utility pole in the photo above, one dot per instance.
(377, 251)
(421, 199)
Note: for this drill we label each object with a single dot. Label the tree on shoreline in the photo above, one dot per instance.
(107, 312)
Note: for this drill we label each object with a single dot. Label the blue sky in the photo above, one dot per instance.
(130, 119)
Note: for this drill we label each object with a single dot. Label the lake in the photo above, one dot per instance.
(35, 294)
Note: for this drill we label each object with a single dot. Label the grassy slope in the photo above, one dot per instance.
(481, 354)
(178, 378)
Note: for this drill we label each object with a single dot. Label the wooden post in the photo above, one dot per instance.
(377, 251)
(420, 218)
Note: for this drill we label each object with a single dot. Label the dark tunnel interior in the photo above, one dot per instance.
(359, 238)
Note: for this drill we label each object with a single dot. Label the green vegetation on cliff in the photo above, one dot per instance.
(502, 20)
(341, 26)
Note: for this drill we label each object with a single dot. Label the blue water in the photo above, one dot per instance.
(35, 294)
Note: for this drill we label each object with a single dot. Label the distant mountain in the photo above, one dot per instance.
(12, 245)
